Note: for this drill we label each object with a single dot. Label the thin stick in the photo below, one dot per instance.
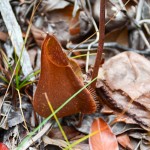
(90, 45)
(139, 10)
(24, 120)
(101, 41)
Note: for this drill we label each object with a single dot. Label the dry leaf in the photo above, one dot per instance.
(119, 35)
(56, 142)
(104, 139)
(70, 131)
(126, 86)
(65, 26)
(124, 141)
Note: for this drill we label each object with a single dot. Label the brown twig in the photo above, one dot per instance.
(101, 41)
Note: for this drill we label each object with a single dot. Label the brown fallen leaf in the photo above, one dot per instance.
(126, 86)
(104, 139)
(119, 35)
(60, 82)
(124, 141)
(128, 72)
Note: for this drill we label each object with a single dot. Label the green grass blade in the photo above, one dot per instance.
(23, 83)
(83, 55)
(27, 83)
(82, 139)
(5, 60)
(55, 116)
(17, 76)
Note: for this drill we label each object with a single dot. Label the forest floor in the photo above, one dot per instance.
(49, 97)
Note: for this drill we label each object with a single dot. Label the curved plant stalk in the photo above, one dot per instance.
(20, 101)
(101, 41)
(90, 45)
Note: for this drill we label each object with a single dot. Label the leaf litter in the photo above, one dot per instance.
(123, 80)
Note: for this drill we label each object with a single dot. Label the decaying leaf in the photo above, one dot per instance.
(119, 35)
(62, 22)
(126, 86)
(56, 142)
(117, 21)
(70, 131)
(121, 128)
(104, 139)
(13, 132)
(60, 82)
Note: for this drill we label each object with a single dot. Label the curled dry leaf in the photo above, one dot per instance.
(126, 86)
(60, 82)
(121, 128)
(104, 139)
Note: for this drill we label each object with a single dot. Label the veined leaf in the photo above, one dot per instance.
(104, 139)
